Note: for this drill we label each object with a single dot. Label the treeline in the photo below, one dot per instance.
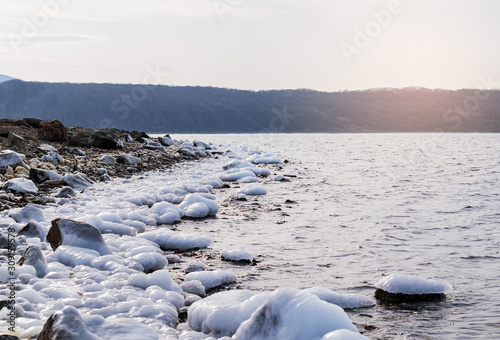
(206, 109)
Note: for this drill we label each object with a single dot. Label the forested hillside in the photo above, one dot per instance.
(207, 109)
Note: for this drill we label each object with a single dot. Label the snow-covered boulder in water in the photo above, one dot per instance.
(399, 288)
(236, 255)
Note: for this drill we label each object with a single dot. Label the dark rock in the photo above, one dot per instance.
(81, 139)
(33, 122)
(105, 140)
(75, 151)
(40, 175)
(66, 192)
(108, 160)
(126, 138)
(16, 140)
(8, 337)
(136, 135)
(128, 159)
(386, 297)
(53, 131)
(32, 229)
(78, 234)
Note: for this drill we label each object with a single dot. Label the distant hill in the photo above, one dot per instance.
(5, 78)
(207, 109)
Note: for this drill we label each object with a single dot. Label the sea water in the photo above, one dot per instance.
(362, 206)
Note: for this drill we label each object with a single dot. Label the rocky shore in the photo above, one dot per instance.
(39, 158)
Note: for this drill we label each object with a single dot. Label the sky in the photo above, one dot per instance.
(325, 45)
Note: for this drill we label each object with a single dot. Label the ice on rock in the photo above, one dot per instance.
(67, 324)
(33, 229)
(292, 314)
(406, 284)
(194, 287)
(73, 256)
(213, 181)
(253, 189)
(197, 210)
(236, 255)
(5, 274)
(27, 213)
(151, 261)
(34, 257)
(160, 278)
(343, 334)
(267, 158)
(21, 185)
(108, 227)
(171, 240)
(236, 174)
(212, 279)
(404, 288)
(248, 180)
(195, 266)
(76, 181)
(78, 234)
(191, 199)
(222, 313)
(342, 300)
(165, 213)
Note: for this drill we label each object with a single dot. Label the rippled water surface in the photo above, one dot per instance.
(361, 206)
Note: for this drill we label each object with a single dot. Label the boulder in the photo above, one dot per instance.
(154, 146)
(33, 122)
(47, 147)
(105, 140)
(53, 158)
(32, 229)
(53, 131)
(66, 324)
(108, 160)
(75, 151)
(76, 181)
(21, 186)
(166, 140)
(398, 288)
(28, 213)
(81, 139)
(77, 234)
(128, 159)
(126, 138)
(16, 140)
(40, 175)
(66, 192)
(136, 135)
(12, 159)
(33, 256)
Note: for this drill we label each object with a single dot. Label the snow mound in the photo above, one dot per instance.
(267, 158)
(193, 199)
(212, 279)
(236, 174)
(168, 239)
(294, 315)
(236, 255)
(221, 314)
(342, 300)
(406, 284)
(253, 189)
(160, 278)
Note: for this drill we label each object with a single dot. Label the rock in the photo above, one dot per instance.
(9, 173)
(21, 186)
(154, 146)
(105, 140)
(66, 324)
(386, 297)
(16, 140)
(66, 192)
(102, 171)
(53, 158)
(53, 131)
(33, 122)
(186, 151)
(200, 144)
(8, 337)
(75, 151)
(76, 181)
(28, 213)
(128, 159)
(81, 139)
(77, 234)
(34, 257)
(397, 288)
(40, 176)
(32, 229)
(166, 140)
(126, 138)
(12, 159)
(138, 135)
(47, 147)
(108, 160)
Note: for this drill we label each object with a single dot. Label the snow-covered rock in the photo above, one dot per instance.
(212, 279)
(192, 199)
(342, 300)
(76, 181)
(253, 189)
(267, 158)
(236, 174)
(168, 239)
(53, 158)
(66, 324)
(406, 288)
(21, 186)
(12, 159)
(236, 255)
(28, 213)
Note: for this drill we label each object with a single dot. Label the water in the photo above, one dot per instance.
(366, 205)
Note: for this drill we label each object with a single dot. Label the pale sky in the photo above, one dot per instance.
(325, 45)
